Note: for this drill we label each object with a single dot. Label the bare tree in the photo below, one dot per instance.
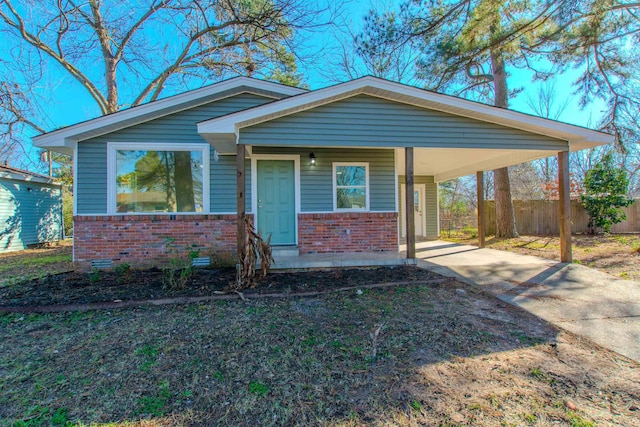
(526, 182)
(123, 54)
(104, 44)
(546, 104)
(357, 54)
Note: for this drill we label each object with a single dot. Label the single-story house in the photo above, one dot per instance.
(30, 209)
(327, 170)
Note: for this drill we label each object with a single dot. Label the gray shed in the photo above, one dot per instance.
(30, 209)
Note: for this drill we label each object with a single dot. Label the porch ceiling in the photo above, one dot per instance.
(449, 163)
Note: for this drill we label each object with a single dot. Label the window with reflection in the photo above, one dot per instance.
(159, 181)
(351, 186)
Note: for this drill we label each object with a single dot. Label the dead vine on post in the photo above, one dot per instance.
(256, 249)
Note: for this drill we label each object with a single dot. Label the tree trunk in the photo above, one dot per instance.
(505, 217)
(110, 62)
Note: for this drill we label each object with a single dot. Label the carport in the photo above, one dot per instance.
(432, 135)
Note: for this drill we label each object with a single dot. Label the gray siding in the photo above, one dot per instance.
(374, 122)
(91, 178)
(431, 208)
(30, 213)
(316, 182)
(179, 127)
(223, 184)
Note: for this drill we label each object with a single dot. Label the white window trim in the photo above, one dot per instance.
(112, 147)
(367, 208)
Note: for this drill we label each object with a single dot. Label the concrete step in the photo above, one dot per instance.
(284, 251)
(345, 260)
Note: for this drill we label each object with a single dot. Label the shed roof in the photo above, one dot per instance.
(24, 175)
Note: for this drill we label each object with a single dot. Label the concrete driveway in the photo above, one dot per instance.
(587, 302)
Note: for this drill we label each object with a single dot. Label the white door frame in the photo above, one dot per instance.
(422, 188)
(254, 184)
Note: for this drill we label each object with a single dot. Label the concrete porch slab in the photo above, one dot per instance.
(344, 260)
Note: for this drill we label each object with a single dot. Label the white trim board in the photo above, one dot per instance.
(74, 159)
(346, 212)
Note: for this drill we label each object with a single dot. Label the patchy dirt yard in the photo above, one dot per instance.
(104, 286)
(432, 352)
(423, 351)
(17, 267)
(616, 254)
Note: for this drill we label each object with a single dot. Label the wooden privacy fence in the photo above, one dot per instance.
(541, 217)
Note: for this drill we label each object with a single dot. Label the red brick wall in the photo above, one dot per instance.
(141, 240)
(368, 232)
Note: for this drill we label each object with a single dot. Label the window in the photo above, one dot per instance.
(351, 186)
(169, 178)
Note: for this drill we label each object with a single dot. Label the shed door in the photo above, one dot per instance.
(276, 214)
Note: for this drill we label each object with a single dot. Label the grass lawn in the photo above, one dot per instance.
(435, 355)
(616, 254)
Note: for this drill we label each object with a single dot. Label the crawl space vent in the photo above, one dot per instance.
(101, 264)
(201, 262)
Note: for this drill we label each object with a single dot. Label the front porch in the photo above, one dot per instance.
(289, 258)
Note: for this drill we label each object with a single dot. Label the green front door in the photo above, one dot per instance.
(276, 201)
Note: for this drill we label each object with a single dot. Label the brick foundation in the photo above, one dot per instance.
(141, 240)
(368, 232)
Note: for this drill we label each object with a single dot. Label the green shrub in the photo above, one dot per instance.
(179, 269)
(605, 193)
(94, 275)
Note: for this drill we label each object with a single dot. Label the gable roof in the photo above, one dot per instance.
(222, 131)
(64, 139)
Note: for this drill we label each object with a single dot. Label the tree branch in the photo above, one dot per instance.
(36, 42)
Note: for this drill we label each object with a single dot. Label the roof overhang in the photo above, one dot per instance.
(64, 140)
(222, 132)
(22, 175)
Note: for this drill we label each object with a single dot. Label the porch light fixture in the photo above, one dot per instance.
(312, 159)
